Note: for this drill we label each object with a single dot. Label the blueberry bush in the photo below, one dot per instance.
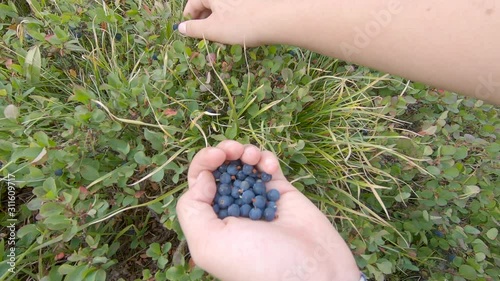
(103, 105)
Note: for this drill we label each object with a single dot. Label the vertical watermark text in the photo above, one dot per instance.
(10, 251)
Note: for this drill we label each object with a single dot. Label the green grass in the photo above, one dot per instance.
(120, 103)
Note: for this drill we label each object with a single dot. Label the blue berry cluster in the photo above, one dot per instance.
(241, 192)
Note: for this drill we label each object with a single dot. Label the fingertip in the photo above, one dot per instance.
(232, 149)
(181, 28)
(251, 154)
(269, 163)
(207, 159)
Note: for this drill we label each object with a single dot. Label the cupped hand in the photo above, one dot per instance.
(300, 244)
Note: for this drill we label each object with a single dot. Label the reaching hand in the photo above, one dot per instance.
(300, 244)
(228, 21)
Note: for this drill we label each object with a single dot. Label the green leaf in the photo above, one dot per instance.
(158, 176)
(33, 64)
(471, 230)
(461, 153)
(154, 251)
(155, 138)
(448, 150)
(385, 267)
(57, 222)
(78, 273)
(119, 146)
(467, 272)
(141, 158)
(27, 229)
(492, 234)
(451, 172)
(433, 170)
(81, 94)
(89, 172)
(232, 131)
(174, 273)
(299, 158)
(51, 208)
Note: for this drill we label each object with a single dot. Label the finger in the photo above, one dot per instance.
(205, 14)
(195, 211)
(195, 8)
(232, 149)
(200, 28)
(207, 159)
(269, 163)
(251, 154)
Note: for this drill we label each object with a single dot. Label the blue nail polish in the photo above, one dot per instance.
(175, 26)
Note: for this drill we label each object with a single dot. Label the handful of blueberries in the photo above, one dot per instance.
(241, 192)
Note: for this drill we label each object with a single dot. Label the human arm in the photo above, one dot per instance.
(455, 47)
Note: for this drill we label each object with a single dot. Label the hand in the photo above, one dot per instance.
(241, 22)
(300, 244)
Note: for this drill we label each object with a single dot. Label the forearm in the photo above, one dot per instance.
(451, 46)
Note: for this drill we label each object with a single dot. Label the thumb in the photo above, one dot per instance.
(195, 212)
(200, 28)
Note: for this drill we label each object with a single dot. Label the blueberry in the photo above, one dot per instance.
(259, 188)
(265, 177)
(58, 172)
(236, 162)
(250, 180)
(255, 174)
(273, 195)
(232, 170)
(216, 208)
(118, 36)
(244, 185)
(222, 168)
(438, 233)
(247, 169)
(217, 196)
(225, 178)
(239, 202)
(259, 202)
(269, 214)
(271, 204)
(255, 214)
(1, 164)
(236, 192)
(247, 196)
(155, 57)
(225, 201)
(233, 210)
(175, 26)
(241, 176)
(451, 257)
(244, 210)
(237, 183)
(216, 174)
(223, 213)
(224, 189)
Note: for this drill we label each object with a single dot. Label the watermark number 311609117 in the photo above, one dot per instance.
(8, 183)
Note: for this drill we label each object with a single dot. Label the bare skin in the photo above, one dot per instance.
(454, 47)
(300, 244)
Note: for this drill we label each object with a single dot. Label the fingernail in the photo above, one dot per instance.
(175, 26)
(182, 27)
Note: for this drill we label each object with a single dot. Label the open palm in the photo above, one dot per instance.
(300, 244)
